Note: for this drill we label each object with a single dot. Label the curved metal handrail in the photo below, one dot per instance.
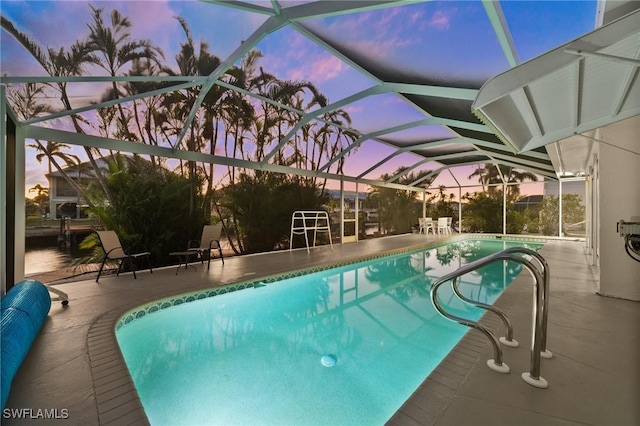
(508, 339)
(545, 305)
(533, 377)
(495, 363)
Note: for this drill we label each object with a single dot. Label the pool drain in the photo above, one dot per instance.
(328, 360)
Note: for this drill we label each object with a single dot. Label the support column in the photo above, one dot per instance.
(559, 208)
(459, 209)
(4, 272)
(19, 206)
(357, 200)
(341, 211)
(504, 208)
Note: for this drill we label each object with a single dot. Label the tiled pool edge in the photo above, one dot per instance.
(117, 400)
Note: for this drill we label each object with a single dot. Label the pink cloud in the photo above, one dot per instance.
(155, 22)
(440, 20)
(380, 33)
(353, 109)
(323, 68)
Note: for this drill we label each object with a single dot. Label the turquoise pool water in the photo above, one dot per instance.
(345, 346)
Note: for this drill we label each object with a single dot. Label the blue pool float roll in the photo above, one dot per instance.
(24, 310)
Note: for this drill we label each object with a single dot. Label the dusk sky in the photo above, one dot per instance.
(444, 40)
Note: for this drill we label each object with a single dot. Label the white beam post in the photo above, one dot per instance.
(20, 216)
(3, 190)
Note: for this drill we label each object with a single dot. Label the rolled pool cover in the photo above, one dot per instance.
(24, 309)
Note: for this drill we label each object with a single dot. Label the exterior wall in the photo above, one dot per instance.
(55, 200)
(619, 193)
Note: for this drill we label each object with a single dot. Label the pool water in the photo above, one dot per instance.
(343, 346)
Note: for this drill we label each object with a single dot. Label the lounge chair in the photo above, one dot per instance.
(113, 251)
(209, 240)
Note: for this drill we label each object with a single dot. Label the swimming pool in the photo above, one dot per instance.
(346, 345)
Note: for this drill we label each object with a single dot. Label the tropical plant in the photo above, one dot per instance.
(398, 210)
(573, 211)
(491, 176)
(61, 62)
(26, 105)
(441, 204)
(111, 48)
(483, 212)
(150, 207)
(40, 201)
(262, 206)
(53, 150)
(264, 128)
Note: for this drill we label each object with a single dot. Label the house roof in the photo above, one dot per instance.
(567, 94)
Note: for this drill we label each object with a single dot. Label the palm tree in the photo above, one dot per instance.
(486, 174)
(396, 208)
(513, 191)
(25, 103)
(52, 150)
(490, 175)
(61, 63)
(112, 48)
(331, 139)
(200, 61)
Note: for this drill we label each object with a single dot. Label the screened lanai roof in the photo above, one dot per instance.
(405, 72)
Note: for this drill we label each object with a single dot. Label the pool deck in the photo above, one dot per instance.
(75, 366)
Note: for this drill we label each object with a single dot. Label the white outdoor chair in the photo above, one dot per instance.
(429, 226)
(442, 225)
(422, 225)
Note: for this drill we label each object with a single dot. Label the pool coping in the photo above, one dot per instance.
(117, 399)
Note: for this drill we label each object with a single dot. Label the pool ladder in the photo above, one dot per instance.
(540, 311)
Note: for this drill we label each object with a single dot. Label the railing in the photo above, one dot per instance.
(540, 311)
(311, 220)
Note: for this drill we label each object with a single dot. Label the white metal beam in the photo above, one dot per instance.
(3, 191)
(325, 8)
(436, 91)
(577, 95)
(501, 29)
(243, 5)
(625, 90)
(620, 59)
(37, 132)
(112, 102)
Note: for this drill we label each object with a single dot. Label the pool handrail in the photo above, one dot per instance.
(544, 352)
(533, 376)
(508, 340)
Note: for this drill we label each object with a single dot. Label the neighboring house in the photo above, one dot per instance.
(349, 198)
(64, 200)
(568, 187)
(528, 202)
